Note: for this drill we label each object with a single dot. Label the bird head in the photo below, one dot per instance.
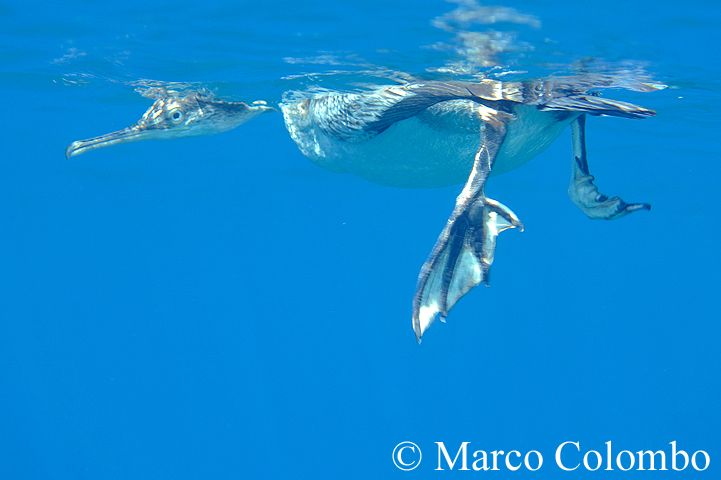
(175, 115)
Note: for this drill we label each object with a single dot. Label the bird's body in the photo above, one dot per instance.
(435, 133)
(431, 149)
(430, 141)
(429, 134)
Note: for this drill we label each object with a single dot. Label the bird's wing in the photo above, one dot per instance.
(464, 251)
(582, 94)
(634, 81)
(393, 104)
(597, 106)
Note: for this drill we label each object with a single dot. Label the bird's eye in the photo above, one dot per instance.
(176, 115)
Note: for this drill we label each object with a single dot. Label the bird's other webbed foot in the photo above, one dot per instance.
(585, 195)
(583, 190)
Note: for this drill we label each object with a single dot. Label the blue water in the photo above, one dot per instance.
(220, 307)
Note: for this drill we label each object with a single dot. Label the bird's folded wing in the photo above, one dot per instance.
(597, 106)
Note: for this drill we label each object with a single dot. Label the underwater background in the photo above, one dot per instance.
(221, 307)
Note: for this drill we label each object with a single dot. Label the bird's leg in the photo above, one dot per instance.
(582, 189)
(463, 254)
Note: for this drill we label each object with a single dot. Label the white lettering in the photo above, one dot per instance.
(559, 455)
(609, 455)
(481, 463)
(539, 460)
(462, 452)
(599, 460)
(706, 462)
(509, 465)
(674, 457)
(495, 454)
(652, 460)
(619, 460)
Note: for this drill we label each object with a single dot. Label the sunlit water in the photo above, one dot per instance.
(220, 307)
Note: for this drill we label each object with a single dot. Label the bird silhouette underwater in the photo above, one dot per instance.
(423, 134)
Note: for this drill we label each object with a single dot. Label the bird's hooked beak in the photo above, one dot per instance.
(129, 134)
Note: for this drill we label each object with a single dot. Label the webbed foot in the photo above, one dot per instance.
(585, 195)
(461, 259)
(464, 251)
(583, 191)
